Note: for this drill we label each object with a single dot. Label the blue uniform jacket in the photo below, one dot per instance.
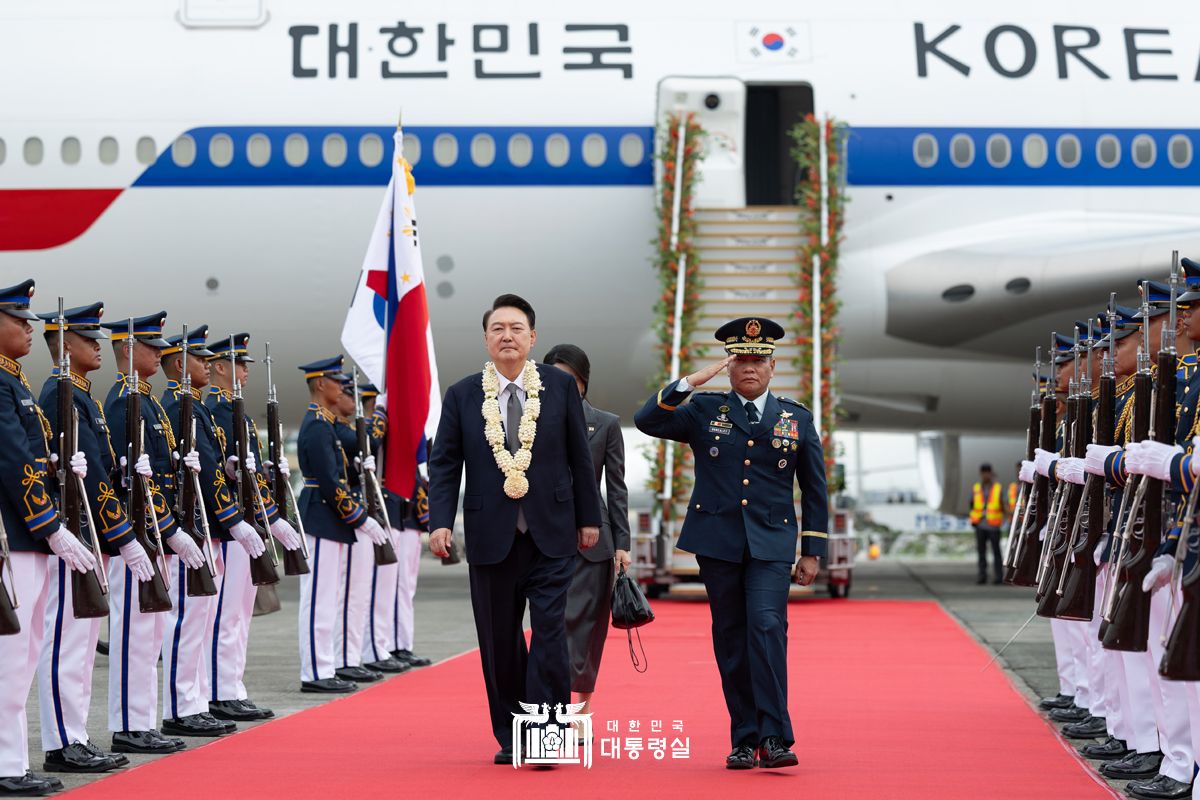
(26, 505)
(220, 405)
(327, 506)
(158, 443)
(743, 495)
(218, 500)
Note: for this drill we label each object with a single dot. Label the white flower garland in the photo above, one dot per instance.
(513, 465)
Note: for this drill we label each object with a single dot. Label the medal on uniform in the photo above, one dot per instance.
(776, 443)
(785, 415)
(724, 409)
(714, 451)
(782, 463)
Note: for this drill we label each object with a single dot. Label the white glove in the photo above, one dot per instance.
(284, 467)
(1042, 459)
(251, 463)
(191, 460)
(138, 561)
(368, 463)
(372, 530)
(231, 465)
(1195, 464)
(1027, 472)
(1071, 470)
(1152, 459)
(381, 402)
(1097, 454)
(1159, 574)
(1098, 553)
(141, 466)
(285, 534)
(187, 550)
(79, 463)
(248, 538)
(67, 546)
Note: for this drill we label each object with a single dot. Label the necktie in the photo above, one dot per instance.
(751, 412)
(513, 421)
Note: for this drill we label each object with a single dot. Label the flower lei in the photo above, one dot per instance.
(513, 465)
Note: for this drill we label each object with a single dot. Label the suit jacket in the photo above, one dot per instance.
(562, 497)
(608, 458)
(743, 497)
(26, 500)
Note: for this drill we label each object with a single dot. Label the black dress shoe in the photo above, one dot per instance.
(1161, 788)
(741, 757)
(24, 786)
(358, 674)
(102, 647)
(389, 664)
(151, 742)
(1090, 728)
(232, 710)
(1108, 750)
(1134, 765)
(121, 760)
(503, 756)
(328, 686)
(1072, 714)
(77, 758)
(263, 713)
(773, 753)
(54, 782)
(230, 726)
(1059, 700)
(193, 725)
(415, 660)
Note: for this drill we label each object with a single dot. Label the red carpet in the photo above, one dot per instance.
(887, 699)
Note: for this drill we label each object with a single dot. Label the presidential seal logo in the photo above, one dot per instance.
(564, 737)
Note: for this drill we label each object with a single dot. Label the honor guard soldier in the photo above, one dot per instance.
(334, 521)
(135, 635)
(189, 623)
(752, 449)
(31, 530)
(231, 628)
(69, 644)
(413, 523)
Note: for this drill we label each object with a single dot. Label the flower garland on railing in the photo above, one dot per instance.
(806, 136)
(666, 263)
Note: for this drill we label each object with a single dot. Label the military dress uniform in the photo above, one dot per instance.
(69, 644)
(742, 524)
(409, 520)
(29, 516)
(134, 637)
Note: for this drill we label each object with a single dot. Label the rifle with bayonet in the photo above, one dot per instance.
(201, 581)
(376, 508)
(295, 562)
(1028, 557)
(1021, 511)
(262, 568)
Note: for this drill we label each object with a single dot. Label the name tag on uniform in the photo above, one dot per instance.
(158, 428)
(719, 427)
(25, 401)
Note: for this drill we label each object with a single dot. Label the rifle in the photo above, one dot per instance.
(1077, 589)
(201, 582)
(376, 508)
(9, 623)
(1027, 559)
(262, 568)
(153, 595)
(1181, 658)
(1129, 618)
(89, 590)
(1021, 509)
(295, 562)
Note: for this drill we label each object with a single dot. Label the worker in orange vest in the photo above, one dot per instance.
(988, 509)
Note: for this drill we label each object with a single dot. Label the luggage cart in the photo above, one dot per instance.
(839, 557)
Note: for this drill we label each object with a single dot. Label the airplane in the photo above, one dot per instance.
(224, 159)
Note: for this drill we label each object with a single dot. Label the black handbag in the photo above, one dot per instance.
(630, 610)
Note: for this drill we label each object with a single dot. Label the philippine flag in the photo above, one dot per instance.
(387, 330)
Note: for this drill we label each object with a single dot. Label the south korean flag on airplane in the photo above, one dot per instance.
(773, 42)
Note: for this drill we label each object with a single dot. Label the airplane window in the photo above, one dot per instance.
(411, 147)
(71, 150)
(3, 151)
(333, 150)
(109, 150)
(258, 150)
(220, 150)
(1144, 151)
(520, 150)
(483, 150)
(1067, 150)
(1034, 150)
(33, 150)
(183, 151)
(445, 149)
(999, 151)
(1108, 150)
(632, 150)
(146, 151)
(1179, 151)
(295, 150)
(370, 150)
(558, 150)
(925, 150)
(962, 150)
(595, 150)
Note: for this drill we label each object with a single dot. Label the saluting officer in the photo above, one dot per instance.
(751, 448)
(69, 644)
(33, 531)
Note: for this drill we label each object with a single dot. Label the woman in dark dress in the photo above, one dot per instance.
(590, 598)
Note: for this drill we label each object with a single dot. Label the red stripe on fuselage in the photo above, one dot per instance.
(37, 219)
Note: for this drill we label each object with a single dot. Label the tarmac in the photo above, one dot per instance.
(444, 628)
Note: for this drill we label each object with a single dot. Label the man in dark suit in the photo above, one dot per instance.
(523, 525)
(750, 447)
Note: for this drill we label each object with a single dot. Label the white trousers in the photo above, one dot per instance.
(1192, 690)
(185, 645)
(318, 607)
(354, 602)
(19, 655)
(1169, 699)
(381, 615)
(408, 551)
(1094, 661)
(1066, 642)
(134, 642)
(229, 632)
(65, 663)
(1138, 704)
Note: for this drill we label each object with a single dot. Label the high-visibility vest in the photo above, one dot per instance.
(994, 511)
(1013, 491)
